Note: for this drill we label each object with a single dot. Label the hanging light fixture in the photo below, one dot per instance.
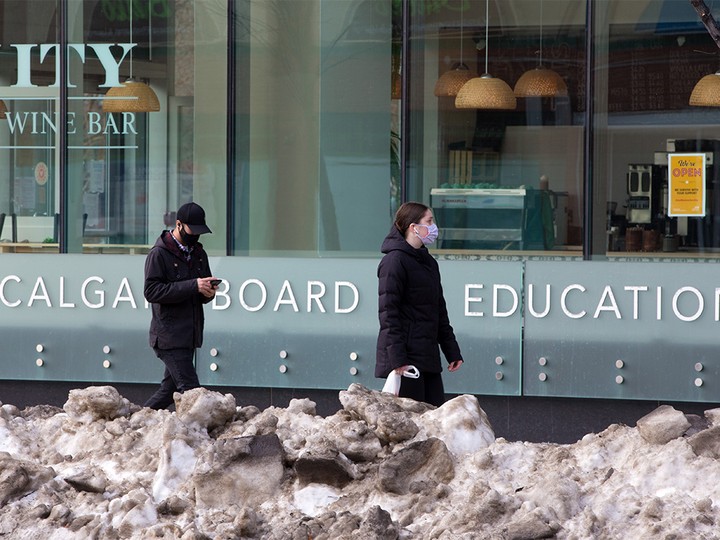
(132, 96)
(540, 81)
(707, 91)
(485, 92)
(452, 80)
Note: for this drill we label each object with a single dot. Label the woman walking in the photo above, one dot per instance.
(414, 322)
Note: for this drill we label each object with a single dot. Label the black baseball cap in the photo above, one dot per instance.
(193, 216)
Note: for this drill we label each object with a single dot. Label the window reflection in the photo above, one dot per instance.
(650, 57)
(320, 125)
(508, 179)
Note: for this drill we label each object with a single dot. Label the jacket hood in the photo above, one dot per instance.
(394, 241)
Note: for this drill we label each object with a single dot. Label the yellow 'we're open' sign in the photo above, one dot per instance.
(686, 184)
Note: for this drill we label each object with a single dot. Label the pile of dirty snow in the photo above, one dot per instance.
(381, 467)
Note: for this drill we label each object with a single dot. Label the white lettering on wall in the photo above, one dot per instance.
(2, 291)
(468, 299)
(607, 294)
(687, 303)
(531, 304)
(608, 302)
(263, 294)
(100, 293)
(701, 304)
(126, 297)
(63, 303)
(289, 301)
(316, 291)
(356, 297)
(563, 301)
(39, 293)
(496, 301)
(315, 297)
(222, 299)
(635, 290)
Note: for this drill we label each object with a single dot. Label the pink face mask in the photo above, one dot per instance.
(430, 236)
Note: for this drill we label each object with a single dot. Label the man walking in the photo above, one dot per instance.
(178, 282)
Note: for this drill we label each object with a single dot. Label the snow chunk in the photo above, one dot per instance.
(87, 405)
(662, 425)
(460, 423)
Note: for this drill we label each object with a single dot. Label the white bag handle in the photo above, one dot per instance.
(411, 372)
(392, 383)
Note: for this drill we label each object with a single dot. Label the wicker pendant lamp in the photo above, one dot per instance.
(450, 82)
(3, 109)
(706, 92)
(486, 92)
(132, 96)
(540, 81)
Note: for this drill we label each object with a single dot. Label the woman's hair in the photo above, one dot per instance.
(408, 213)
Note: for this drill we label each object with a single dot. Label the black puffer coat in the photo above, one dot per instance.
(412, 311)
(171, 288)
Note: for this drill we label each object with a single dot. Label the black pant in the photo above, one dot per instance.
(428, 388)
(180, 375)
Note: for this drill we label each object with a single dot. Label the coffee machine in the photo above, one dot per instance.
(645, 194)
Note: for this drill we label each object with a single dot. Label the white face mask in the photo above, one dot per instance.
(430, 237)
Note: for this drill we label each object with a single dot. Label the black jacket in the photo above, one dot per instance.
(171, 288)
(412, 311)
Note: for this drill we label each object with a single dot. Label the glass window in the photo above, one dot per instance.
(332, 123)
(500, 160)
(313, 97)
(28, 130)
(129, 163)
(649, 58)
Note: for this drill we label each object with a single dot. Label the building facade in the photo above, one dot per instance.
(569, 150)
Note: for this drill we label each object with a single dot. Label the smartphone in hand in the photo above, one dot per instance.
(215, 282)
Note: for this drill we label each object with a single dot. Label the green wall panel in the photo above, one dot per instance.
(294, 323)
(630, 330)
(606, 330)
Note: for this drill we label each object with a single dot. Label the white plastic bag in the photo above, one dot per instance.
(392, 383)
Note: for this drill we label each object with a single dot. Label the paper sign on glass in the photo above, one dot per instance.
(686, 184)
